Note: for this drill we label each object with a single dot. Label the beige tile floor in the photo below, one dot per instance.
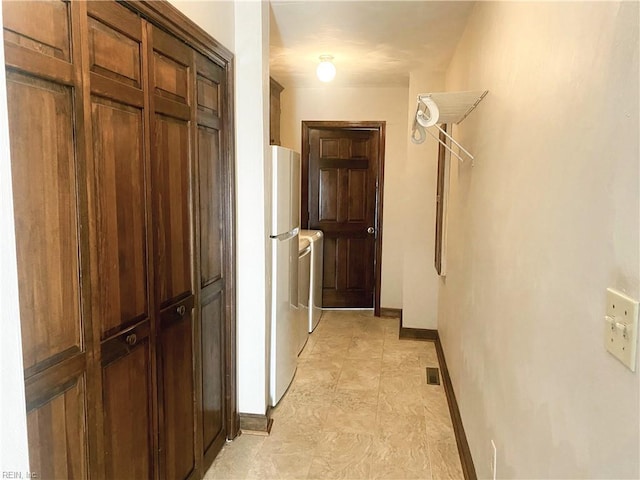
(359, 407)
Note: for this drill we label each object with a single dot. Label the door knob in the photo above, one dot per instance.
(370, 230)
(181, 310)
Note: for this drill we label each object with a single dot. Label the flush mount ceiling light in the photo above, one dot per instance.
(326, 70)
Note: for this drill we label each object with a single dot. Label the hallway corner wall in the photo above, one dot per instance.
(544, 221)
(252, 210)
(421, 281)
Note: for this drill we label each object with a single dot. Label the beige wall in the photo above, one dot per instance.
(546, 220)
(253, 160)
(359, 104)
(420, 280)
(215, 17)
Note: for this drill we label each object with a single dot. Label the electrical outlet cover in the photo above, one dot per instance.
(621, 327)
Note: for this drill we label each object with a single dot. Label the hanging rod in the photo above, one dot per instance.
(435, 109)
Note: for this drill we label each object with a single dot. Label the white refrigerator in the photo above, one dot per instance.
(285, 225)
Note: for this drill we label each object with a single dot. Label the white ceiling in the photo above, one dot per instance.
(374, 43)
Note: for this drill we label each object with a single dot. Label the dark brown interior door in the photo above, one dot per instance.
(343, 173)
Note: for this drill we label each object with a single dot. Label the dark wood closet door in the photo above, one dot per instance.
(342, 203)
(122, 302)
(42, 54)
(171, 67)
(210, 90)
(122, 164)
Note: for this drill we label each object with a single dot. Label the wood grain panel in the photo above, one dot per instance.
(177, 398)
(212, 335)
(329, 267)
(210, 206)
(171, 78)
(118, 17)
(127, 417)
(57, 436)
(45, 203)
(120, 235)
(171, 173)
(40, 26)
(114, 55)
(32, 62)
(359, 147)
(357, 195)
(358, 269)
(329, 148)
(329, 195)
(208, 95)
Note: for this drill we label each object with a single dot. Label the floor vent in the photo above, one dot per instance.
(433, 376)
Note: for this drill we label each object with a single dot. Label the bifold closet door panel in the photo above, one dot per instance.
(210, 85)
(118, 205)
(170, 68)
(42, 60)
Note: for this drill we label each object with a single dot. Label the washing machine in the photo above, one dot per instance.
(304, 279)
(316, 239)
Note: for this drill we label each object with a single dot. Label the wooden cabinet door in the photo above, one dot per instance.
(118, 206)
(170, 88)
(42, 55)
(210, 90)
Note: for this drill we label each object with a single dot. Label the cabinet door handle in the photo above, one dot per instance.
(131, 339)
(181, 310)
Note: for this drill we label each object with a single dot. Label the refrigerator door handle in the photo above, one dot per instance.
(286, 235)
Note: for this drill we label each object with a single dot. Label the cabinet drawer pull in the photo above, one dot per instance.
(131, 339)
(181, 310)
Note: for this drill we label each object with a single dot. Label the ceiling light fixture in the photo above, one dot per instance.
(326, 70)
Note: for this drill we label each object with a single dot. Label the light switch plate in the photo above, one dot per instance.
(621, 327)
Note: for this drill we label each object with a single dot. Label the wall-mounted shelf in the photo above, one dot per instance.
(435, 109)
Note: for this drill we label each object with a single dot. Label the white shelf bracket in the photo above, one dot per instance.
(435, 109)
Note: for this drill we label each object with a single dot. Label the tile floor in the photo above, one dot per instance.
(359, 407)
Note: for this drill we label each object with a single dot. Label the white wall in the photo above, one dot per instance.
(420, 280)
(545, 221)
(361, 104)
(14, 455)
(215, 17)
(252, 153)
